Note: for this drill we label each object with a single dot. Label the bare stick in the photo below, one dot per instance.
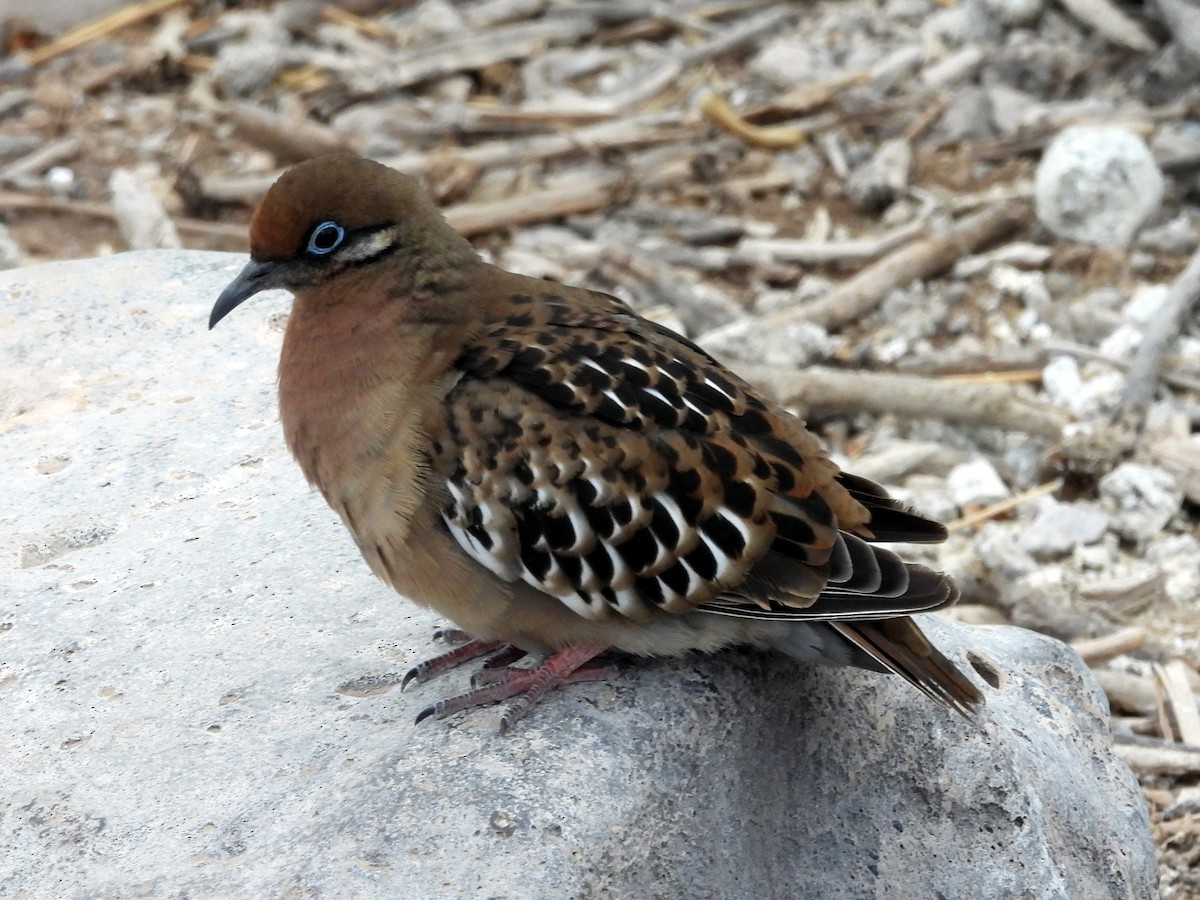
(1111, 22)
(1101, 649)
(1160, 335)
(24, 172)
(534, 206)
(859, 296)
(1159, 760)
(625, 133)
(770, 137)
(817, 252)
(290, 139)
(12, 200)
(998, 509)
(1079, 351)
(98, 28)
(1180, 711)
(822, 391)
(472, 50)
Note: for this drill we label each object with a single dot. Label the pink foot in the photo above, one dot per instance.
(526, 685)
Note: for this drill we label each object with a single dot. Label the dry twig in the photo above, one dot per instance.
(1095, 651)
(822, 391)
(859, 296)
(980, 516)
(119, 18)
(1160, 334)
(1179, 716)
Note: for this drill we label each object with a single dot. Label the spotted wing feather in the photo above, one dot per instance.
(618, 467)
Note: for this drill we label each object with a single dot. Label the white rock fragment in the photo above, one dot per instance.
(10, 251)
(797, 344)
(976, 483)
(1030, 287)
(1097, 394)
(1061, 379)
(140, 215)
(1000, 551)
(787, 62)
(1098, 185)
(1178, 556)
(1061, 527)
(1142, 499)
(1145, 304)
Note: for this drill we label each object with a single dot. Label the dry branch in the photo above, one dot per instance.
(288, 139)
(1159, 759)
(821, 391)
(12, 200)
(1178, 713)
(1161, 333)
(859, 296)
(1096, 650)
(624, 134)
(584, 195)
(789, 250)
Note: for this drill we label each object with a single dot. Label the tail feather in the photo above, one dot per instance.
(901, 647)
(891, 521)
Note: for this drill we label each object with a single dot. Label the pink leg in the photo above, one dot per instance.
(468, 650)
(527, 685)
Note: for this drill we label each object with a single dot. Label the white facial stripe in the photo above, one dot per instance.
(370, 247)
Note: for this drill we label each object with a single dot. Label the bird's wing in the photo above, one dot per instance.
(616, 466)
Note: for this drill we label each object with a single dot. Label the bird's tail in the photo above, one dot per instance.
(900, 647)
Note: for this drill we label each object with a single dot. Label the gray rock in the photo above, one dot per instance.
(1143, 499)
(1061, 527)
(179, 612)
(1097, 184)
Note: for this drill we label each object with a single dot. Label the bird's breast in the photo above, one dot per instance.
(357, 412)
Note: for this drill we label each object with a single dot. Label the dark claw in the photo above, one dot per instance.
(426, 713)
(413, 674)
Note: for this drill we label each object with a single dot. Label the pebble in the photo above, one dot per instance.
(1098, 185)
(1141, 498)
(976, 483)
(998, 547)
(1147, 301)
(1061, 527)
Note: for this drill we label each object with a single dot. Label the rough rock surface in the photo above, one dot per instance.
(180, 611)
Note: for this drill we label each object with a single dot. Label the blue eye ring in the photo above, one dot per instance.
(325, 238)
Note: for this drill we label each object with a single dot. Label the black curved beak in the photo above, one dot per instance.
(257, 276)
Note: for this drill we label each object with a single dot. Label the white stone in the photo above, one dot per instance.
(178, 648)
(1145, 304)
(1061, 527)
(1142, 499)
(1098, 185)
(976, 483)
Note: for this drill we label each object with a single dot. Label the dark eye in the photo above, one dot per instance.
(325, 238)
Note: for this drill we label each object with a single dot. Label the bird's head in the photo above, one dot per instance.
(333, 215)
